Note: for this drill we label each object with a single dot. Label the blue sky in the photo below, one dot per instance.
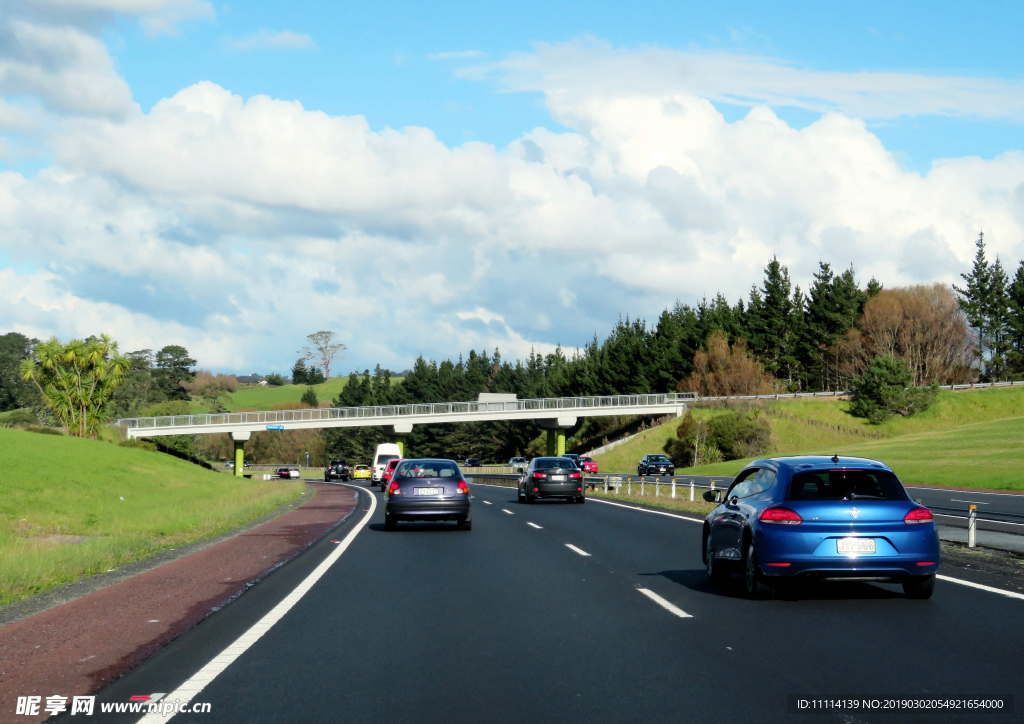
(232, 177)
(375, 60)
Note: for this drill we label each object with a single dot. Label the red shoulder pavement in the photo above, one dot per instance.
(77, 648)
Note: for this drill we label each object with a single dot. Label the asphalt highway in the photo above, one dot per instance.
(590, 613)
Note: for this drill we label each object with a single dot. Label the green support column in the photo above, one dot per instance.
(552, 442)
(560, 433)
(400, 441)
(239, 457)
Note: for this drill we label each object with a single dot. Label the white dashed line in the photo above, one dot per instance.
(671, 607)
(990, 589)
(534, 525)
(571, 547)
(487, 502)
(506, 510)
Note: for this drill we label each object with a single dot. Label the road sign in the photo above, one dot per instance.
(275, 427)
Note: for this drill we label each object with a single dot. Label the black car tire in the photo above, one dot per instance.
(389, 522)
(757, 585)
(919, 586)
(529, 499)
(717, 572)
(522, 496)
(465, 524)
(582, 499)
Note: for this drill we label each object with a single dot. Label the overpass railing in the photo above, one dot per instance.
(553, 404)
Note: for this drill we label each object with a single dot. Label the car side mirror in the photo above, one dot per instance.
(713, 496)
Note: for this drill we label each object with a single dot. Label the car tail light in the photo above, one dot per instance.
(575, 475)
(463, 488)
(536, 489)
(579, 488)
(918, 515)
(539, 475)
(778, 514)
(780, 565)
(394, 489)
(926, 563)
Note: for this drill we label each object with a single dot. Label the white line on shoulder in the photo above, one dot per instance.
(668, 606)
(990, 589)
(487, 502)
(506, 510)
(571, 547)
(534, 525)
(645, 510)
(239, 646)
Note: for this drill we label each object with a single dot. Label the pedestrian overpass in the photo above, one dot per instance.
(556, 414)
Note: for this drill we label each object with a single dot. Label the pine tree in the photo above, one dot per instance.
(300, 374)
(985, 302)
(1015, 323)
(770, 322)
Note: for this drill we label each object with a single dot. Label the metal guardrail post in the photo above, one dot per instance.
(972, 527)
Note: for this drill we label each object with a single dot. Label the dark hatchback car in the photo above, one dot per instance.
(655, 465)
(336, 470)
(428, 490)
(473, 463)
(820, 518)
(551, 478)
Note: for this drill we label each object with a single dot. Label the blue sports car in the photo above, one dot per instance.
(819, 517)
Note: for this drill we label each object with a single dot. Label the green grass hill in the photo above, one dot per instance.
(71, 507)
(969, 439)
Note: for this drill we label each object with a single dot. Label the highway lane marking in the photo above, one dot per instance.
(506, 510)
(983, 587)
(667, 605)
(487, 502)
(972, 492)
(534, 525)
(191, 688)
(645, 510)
(957, 500)
(571, 547)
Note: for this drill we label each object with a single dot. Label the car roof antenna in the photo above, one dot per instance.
(835, 458)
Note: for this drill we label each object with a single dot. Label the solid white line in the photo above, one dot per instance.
(487, 502)
(534, 525)
(506, 510)
(972, 492)
(645, 510)
(571, 547)
(990, 589)
(225, 658)
(664, 604)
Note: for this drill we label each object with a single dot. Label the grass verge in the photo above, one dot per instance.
(71, 507)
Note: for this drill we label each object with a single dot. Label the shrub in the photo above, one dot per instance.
(141, 444)
(275, 380)
(739, 434)
(20, 417)
(166, 409)
(883, 391)
(691, 447)
(723, 370)
(309, 397)
(44, 429)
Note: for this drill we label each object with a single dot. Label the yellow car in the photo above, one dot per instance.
(361, 472)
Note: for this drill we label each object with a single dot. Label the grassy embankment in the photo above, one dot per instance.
(264, 398)
(71, 507)
(969, 439)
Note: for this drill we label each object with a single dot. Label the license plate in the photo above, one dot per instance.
(856, 545)
(558, 478)
(428, 491)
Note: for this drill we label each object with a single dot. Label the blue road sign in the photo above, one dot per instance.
(275, 427)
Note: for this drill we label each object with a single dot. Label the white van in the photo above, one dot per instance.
(385, 451)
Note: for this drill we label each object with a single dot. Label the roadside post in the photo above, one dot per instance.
(606, 485)
(629, 486)
(657, 487)
(972, 526)
(691, 491)
(643, 481)
(673, 488)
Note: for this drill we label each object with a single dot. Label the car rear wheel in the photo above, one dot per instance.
(919, 587)
(529, 499)
(522, 496)
(581, 500)
(757, 586)
(717, 573)
(465, 524)
(389, 522)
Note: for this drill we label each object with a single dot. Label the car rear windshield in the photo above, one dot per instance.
(383, 459)
(846, 485)
(428, 469)
(553, 463)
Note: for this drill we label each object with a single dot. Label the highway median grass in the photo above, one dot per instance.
(72, 507)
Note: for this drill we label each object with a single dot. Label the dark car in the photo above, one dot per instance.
(473, 463)
(575, 459)
(551, 478)
(655, 465)
(336, 470)
(820, 518)
(428, 490)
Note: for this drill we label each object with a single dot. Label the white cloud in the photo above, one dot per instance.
(269, 40)
(158, 17)
(456, 55)
(230, 225)
(595, 67)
